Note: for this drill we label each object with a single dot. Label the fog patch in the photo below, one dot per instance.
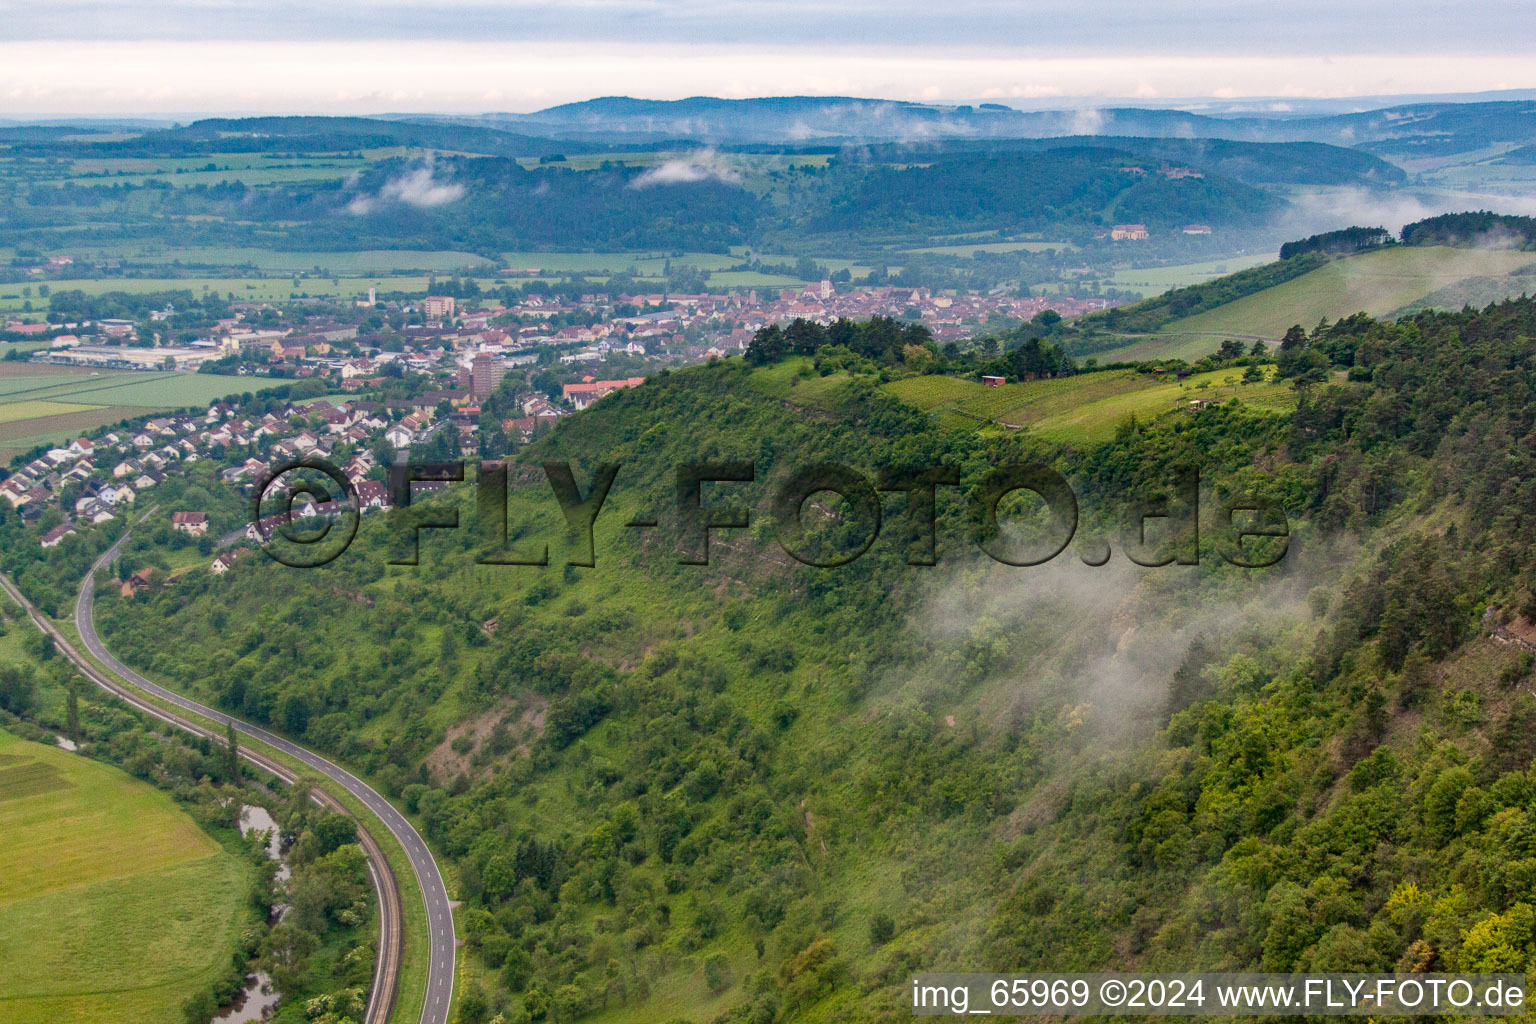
(1088, 121)
(418, 188)
(1095, 649)
(1333, 208)
(706, 165)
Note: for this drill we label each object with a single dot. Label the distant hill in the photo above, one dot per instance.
(292, 135)
(1399, 131)
(1072, 187)
(1256, 163)
(806, 118)
(1402, 130)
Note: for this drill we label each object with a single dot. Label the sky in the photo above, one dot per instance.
(169, 57)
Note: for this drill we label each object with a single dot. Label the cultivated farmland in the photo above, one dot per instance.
(1379, 283)
(116, 906)
(50, 404)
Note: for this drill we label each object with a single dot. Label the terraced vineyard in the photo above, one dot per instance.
(933, 391)
(1085, 408)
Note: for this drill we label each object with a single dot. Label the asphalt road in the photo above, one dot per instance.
(439, 996)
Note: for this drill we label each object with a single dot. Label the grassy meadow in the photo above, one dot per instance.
(1378, 283)
(1152, 281)
(991, 247)
(1083, 409)
(116, 906)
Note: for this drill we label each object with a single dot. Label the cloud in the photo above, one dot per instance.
(1328, 209)
(418, 188)
(705, 165)
(1087, 121)
(1096, 645)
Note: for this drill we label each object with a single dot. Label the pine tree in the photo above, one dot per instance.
(231, 752)
(72, 721)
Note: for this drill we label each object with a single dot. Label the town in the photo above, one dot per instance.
(430, 375)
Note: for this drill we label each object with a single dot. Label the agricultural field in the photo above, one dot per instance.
(751, 279)
(352, 263)
(930, 392)
(52, 404)
(1085, 408)
(645, 264)
(1152, 281)
(116, 905)
(653, 266)
(29, 410)
(253, 169)
(355, 263)
(1378, 283)
(991, 247)
(242, 288)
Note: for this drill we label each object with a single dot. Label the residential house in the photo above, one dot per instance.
(54, 537)
(192, 523)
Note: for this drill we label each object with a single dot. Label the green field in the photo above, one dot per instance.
(933, 391)
(360, 262)
(52, 404)
(1156, 280)
(116, 906)
(351, 262)
(991, 247)
(1378, 283)
(253, 169)
(28, 410)
(243, 288)
(646, 264)
(653, 266)
(247, 288)
(1085, 408)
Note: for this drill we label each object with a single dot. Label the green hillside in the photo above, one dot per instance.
(1084, 409)
(1380, 282)
(758, 791)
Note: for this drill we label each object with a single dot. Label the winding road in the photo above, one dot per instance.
(439, 994)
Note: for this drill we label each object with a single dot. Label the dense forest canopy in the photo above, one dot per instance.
(1036, 191)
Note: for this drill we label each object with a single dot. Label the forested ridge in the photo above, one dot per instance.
(690, 200)
(758, 791)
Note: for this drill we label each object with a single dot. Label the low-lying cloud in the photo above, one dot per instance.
(419, 188)
(1334, 208)
(706, 165)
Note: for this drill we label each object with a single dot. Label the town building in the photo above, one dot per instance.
(486, 374)
(438, 307)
